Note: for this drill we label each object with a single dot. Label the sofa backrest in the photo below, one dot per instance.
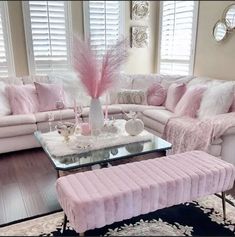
(207, 81)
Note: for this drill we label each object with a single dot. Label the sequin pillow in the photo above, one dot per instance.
(131, 97)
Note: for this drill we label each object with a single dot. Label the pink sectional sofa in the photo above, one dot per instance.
(16, 131)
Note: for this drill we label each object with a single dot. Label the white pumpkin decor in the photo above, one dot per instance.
(134, 126)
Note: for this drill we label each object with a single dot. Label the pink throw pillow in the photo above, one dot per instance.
(48, 95)
(23, 99)
(189, 104)
(156, 94)
(174, 94)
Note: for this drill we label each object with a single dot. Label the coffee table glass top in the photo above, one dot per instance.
(102, 156)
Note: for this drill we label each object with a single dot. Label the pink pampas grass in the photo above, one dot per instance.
(98, 78)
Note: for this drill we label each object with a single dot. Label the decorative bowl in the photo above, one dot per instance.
(65, 129)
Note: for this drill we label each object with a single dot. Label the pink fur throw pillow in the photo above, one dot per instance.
(156, 94)
(48, 95)
(174, 94)
(23, 99)
(190, 102)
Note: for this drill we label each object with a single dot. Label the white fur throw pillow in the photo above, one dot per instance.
(5, 108)
(216, 100)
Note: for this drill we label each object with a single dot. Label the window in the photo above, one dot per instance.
(47, 29)
(103, 23)
(6, 56)
(178, 22)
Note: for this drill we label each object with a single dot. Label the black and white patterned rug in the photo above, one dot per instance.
(202, 217)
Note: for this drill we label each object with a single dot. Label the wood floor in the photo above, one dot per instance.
(27, 185)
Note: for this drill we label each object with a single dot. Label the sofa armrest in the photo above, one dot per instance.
(230, 131)
(228, 147)
(12, 120)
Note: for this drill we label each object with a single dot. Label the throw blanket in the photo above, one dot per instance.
(187, 134)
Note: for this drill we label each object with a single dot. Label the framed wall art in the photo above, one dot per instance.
(139, 36)
(140, 10)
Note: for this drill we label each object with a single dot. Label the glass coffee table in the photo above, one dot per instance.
(155, 147)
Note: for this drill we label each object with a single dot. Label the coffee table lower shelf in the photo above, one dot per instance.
(153, 155)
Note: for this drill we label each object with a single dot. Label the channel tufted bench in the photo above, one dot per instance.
(101, 197)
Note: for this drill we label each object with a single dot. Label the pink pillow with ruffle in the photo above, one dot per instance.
(23, 99)
(174, 94)
(48, 95)
(189, 104)
(156, 94)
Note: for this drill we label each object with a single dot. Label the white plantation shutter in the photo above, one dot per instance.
(47, 28)
(177, 36)
(6, 57)
(103, 23)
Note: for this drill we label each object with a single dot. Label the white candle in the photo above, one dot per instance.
(106, 107)
(75, 111)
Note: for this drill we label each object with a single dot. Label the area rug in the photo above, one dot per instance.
(202, 217)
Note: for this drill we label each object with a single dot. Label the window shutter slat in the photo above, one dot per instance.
(6, 61)
(50, 35)
(105, 19)
(177, 30)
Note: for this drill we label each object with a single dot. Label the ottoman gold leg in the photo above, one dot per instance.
(64, 223)
(224, 205)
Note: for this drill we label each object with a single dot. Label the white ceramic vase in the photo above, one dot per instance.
(96, 116)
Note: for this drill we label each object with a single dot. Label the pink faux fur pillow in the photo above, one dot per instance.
(174, 94)
(189, 104)
(48, 95)
(23, 99)
(156, 94)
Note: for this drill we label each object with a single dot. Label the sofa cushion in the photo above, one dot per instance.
(168, 80)
(124, 82)
(205, 81)
(139, 108)
(127, 96)
(73, 88)
(161, 116)
(48, 95)
(20, 119)
(23, 99)
(174, 94)
(18, 143)
(66, 114)
(12, 80)
(17, 130)
(189, 104)
(153, 125)
(156, 94)
(32, 79)
(216, 100)
(112, 109)
(5, 108)
(144, 81)
(215, 150)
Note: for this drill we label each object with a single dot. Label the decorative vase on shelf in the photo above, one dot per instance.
(96, 116)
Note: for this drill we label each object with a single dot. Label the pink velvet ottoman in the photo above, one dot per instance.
(101, 197)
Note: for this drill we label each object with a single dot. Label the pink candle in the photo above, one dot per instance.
(106, 108)
(85, 129)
